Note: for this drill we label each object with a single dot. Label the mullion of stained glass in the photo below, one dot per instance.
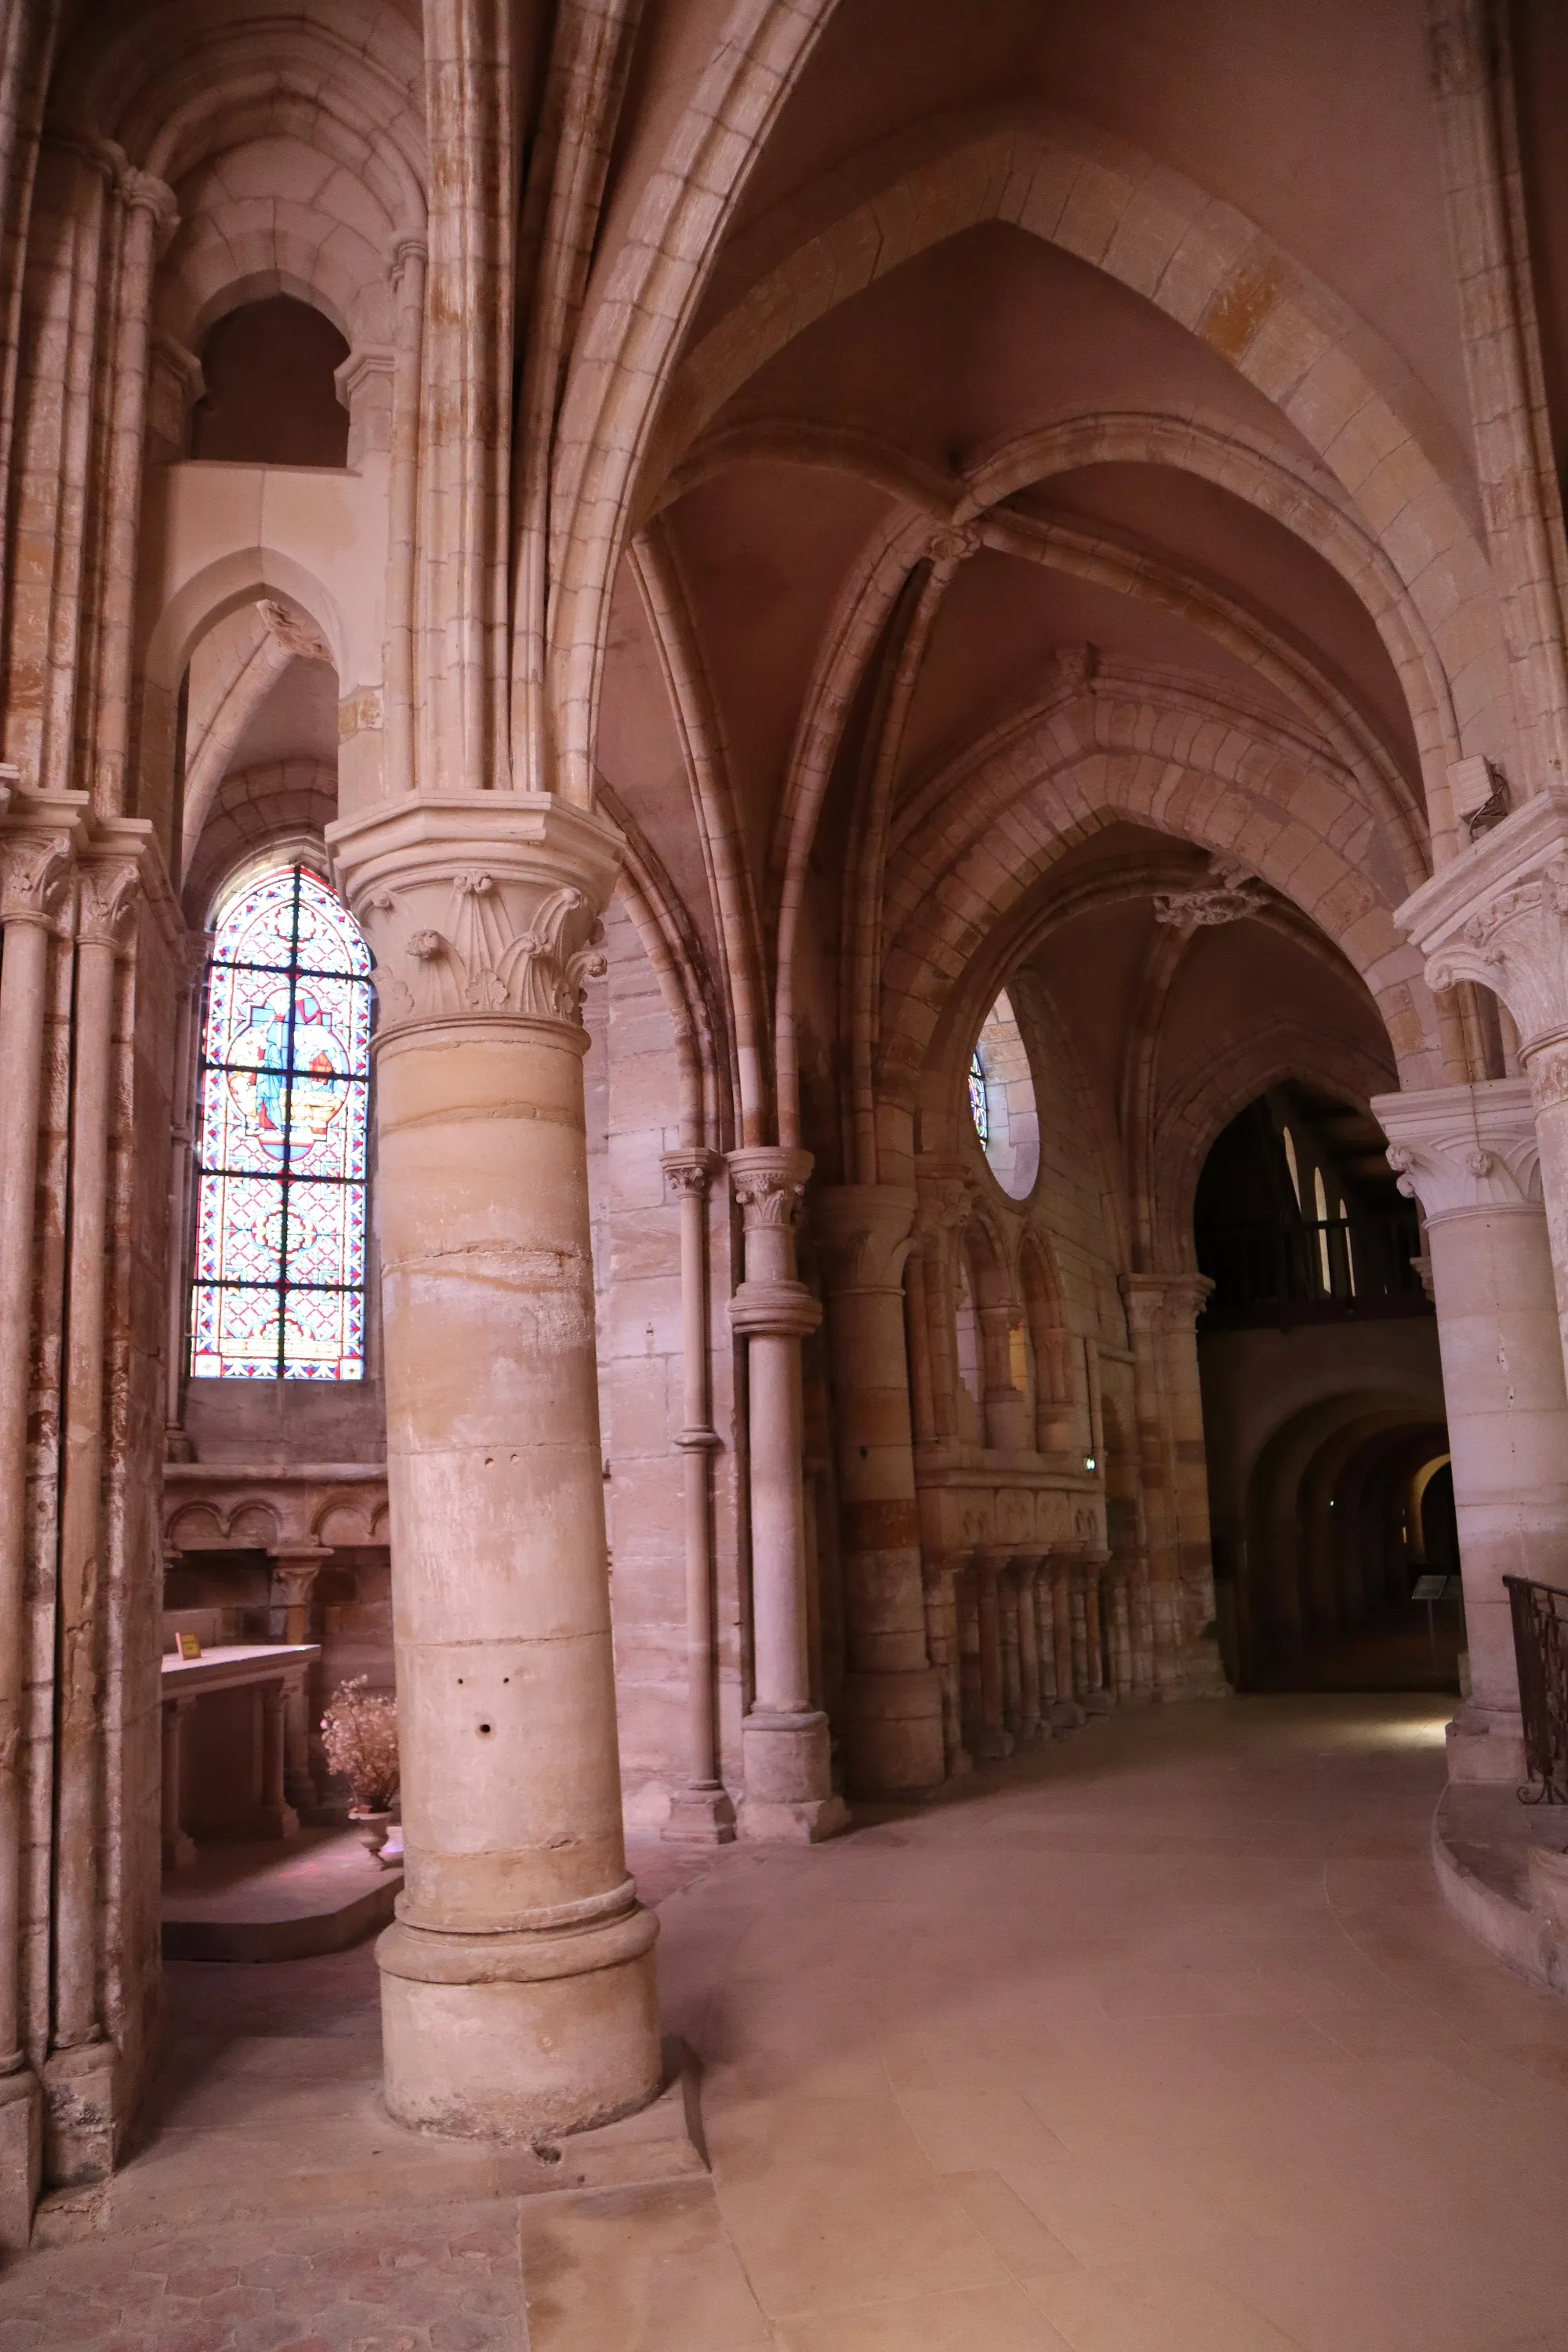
(280, 1223)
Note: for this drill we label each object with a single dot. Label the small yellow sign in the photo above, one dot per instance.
(190, 1644)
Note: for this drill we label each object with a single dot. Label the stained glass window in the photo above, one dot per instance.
(977, 1111)
(279, 1291)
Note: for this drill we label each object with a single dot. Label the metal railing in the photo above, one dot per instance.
(1271, 1270)
(1541, 1652)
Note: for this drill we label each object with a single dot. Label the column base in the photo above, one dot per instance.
(21, 2157)
(1064, 1715)
(1486, 1744)
(700, 1816)
(789, 1796)
(892, 1732)
(519, 2036)
(990, 1747)
(279, 1822)
(79, 2114)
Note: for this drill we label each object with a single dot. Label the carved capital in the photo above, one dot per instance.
(143, 191)
(690, 1172)
(1165, 1302)
(864, 1230)
(1499, 914)
(945, 1194)
(34, 871)
(769, 1183)
(1464, 1150)
(106, 893)
(484, 905)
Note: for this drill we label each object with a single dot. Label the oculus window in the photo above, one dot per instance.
(977, 1109)
(279, 1287)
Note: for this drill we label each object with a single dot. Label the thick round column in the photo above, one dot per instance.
(784, 1740)
(518, 1990)
(1468, 1155)
(892, 1694)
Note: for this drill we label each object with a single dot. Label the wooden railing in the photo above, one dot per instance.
(1271, 1270)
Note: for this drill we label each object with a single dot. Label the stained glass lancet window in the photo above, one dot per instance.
(977, 1111)
(279, 1291)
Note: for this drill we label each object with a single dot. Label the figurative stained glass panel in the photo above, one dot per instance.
(278, 1292)
(977, 1111)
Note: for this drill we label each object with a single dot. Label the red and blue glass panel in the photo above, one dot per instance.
(279, 1291)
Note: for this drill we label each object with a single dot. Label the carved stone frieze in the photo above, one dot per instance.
(300, 1511)
(483, 906)
(1464, 1150)
(964, 1507)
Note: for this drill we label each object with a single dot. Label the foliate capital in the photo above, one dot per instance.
(769, 1182)
(482, 905)
(105, 895)
(945, 1194)
(690, 1172)
(865, 1233)
(34, 871)
(1464, 1150)
(1165, 1302)
(1499, 914)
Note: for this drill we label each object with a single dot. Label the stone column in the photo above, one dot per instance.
(701, 1810)
(179, 1850)
(892, 1695)
(518, 1991)
(298, 1568)
(1028, 1575)
(1161, 1317)
(992, 1738)
(940, 1582)
(105, 895)
(784, 1740)
(1468, 1154)
(1091, 1571)
(32, 871)
(1499, 914)
(1066, 1713)
(276, 1816)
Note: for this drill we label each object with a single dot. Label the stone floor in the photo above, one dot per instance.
(1159, 2042)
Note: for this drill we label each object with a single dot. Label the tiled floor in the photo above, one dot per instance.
(1160, 2042)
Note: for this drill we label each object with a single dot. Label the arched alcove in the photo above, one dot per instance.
(271, 398)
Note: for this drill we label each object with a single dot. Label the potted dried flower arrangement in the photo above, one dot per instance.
(359, 1731)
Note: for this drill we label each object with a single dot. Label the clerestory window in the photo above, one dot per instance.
(279, 1287)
